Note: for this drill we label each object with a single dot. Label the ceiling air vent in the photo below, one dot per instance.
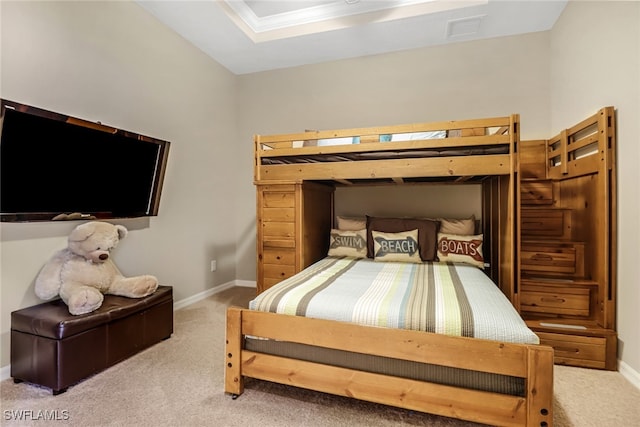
(464, 26)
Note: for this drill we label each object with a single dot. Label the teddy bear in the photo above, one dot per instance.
(83, 272)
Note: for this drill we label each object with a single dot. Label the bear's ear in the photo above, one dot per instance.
(82, 232)
(122, 231)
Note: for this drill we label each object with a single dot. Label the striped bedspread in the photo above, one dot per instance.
(446, 298)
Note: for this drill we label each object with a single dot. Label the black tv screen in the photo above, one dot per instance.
(52, 164)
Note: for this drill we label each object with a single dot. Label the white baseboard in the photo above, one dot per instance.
(245, 283)
(5, 372)
(629, 373)
(177, 305)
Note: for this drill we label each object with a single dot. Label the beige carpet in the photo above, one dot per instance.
(179, 382)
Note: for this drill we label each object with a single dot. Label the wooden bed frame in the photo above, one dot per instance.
(498, 175)
(531, 362)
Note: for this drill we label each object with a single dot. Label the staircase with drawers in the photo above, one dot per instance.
(562, 294)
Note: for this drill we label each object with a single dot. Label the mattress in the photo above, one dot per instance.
(392, 154)
(444, 375)
(447, 298)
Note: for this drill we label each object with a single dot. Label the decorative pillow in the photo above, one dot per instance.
(465, 227)
(457, 248)
(351, 223)
(348, 243)
(401, 247)
(427, 233)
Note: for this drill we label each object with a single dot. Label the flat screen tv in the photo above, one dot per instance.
(54, 166)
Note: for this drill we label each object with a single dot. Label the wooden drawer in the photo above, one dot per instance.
(278, 271)
(567, 301)
(553, 258)
(279, 243)
(546, 223)
(279, 256)
(278, 199)
(278, 230)
(278, 214)
(575, 350)
(536, 192)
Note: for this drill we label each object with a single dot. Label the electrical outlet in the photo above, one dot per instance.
(214, 265)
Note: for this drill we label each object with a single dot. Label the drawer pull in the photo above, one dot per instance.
(541, 257)
(278, 257)
(548, 299)
(568, 349)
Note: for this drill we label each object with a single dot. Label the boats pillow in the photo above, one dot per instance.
(458, 248)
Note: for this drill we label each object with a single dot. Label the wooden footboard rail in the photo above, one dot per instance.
(458, 135)
(530, 362)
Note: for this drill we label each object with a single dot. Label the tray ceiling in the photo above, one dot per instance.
(247, 36)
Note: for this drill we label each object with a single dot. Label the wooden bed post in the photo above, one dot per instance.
(539, 386)
(256, 157)
(607, 144)
(512, 215)
(233, 381)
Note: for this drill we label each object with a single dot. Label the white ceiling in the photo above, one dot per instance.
(247, 36)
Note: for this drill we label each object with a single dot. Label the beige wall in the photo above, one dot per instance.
(111, 61)
(595, 62)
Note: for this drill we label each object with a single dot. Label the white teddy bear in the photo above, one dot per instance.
(83, 272)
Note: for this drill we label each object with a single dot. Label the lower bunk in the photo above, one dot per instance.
(506, 380)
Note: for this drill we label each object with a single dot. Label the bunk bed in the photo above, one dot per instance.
(295, 175)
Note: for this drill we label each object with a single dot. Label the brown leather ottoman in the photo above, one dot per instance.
(55, 349)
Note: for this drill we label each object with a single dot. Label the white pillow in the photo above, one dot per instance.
(465, 227)
(351, 223)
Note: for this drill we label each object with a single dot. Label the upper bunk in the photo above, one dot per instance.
(447, 151)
